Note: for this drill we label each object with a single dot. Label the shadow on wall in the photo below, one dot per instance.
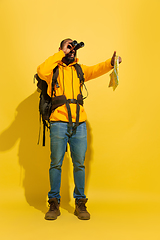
(35, 159)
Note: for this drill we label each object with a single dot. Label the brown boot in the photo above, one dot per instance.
(80, 210)
(53, 210)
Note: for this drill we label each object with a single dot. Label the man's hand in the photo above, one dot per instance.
(65, 48)
(113, 58)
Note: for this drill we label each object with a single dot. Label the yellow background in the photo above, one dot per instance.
(122, 162)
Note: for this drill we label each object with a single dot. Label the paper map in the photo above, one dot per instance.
(114, 80)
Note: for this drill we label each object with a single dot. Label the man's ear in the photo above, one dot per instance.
(59, 49)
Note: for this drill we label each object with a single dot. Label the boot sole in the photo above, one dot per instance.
(51, 218)
(81, 218)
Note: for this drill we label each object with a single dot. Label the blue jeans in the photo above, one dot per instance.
(78, 146)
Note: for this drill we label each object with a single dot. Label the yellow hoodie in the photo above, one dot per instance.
(69, 82)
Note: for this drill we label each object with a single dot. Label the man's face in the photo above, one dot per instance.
(70, 55)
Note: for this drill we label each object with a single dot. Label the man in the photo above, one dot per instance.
(61, 128)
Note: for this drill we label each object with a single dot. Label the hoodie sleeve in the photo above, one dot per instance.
(45, 70)
(96, 70)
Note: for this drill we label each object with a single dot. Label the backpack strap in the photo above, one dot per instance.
(80, 75)
(60, 100)
(45, 99)
(44, 91)
(54, 80)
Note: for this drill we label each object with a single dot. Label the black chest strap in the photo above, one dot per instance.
(61, 100)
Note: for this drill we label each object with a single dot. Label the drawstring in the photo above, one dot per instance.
(72, 82)
(63, 80)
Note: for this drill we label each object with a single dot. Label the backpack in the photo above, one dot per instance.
(48, 104)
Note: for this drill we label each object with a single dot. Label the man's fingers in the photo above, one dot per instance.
(113, 57)
(120, 59)
(114, 54)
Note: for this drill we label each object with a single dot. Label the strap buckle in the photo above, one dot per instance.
(72, 100)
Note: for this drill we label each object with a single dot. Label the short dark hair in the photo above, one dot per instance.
(64, 41)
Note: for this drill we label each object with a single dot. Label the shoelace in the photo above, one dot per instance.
(82, 206)
(53, 206)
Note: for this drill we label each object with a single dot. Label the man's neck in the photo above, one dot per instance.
(67, 61)
(64, 60)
